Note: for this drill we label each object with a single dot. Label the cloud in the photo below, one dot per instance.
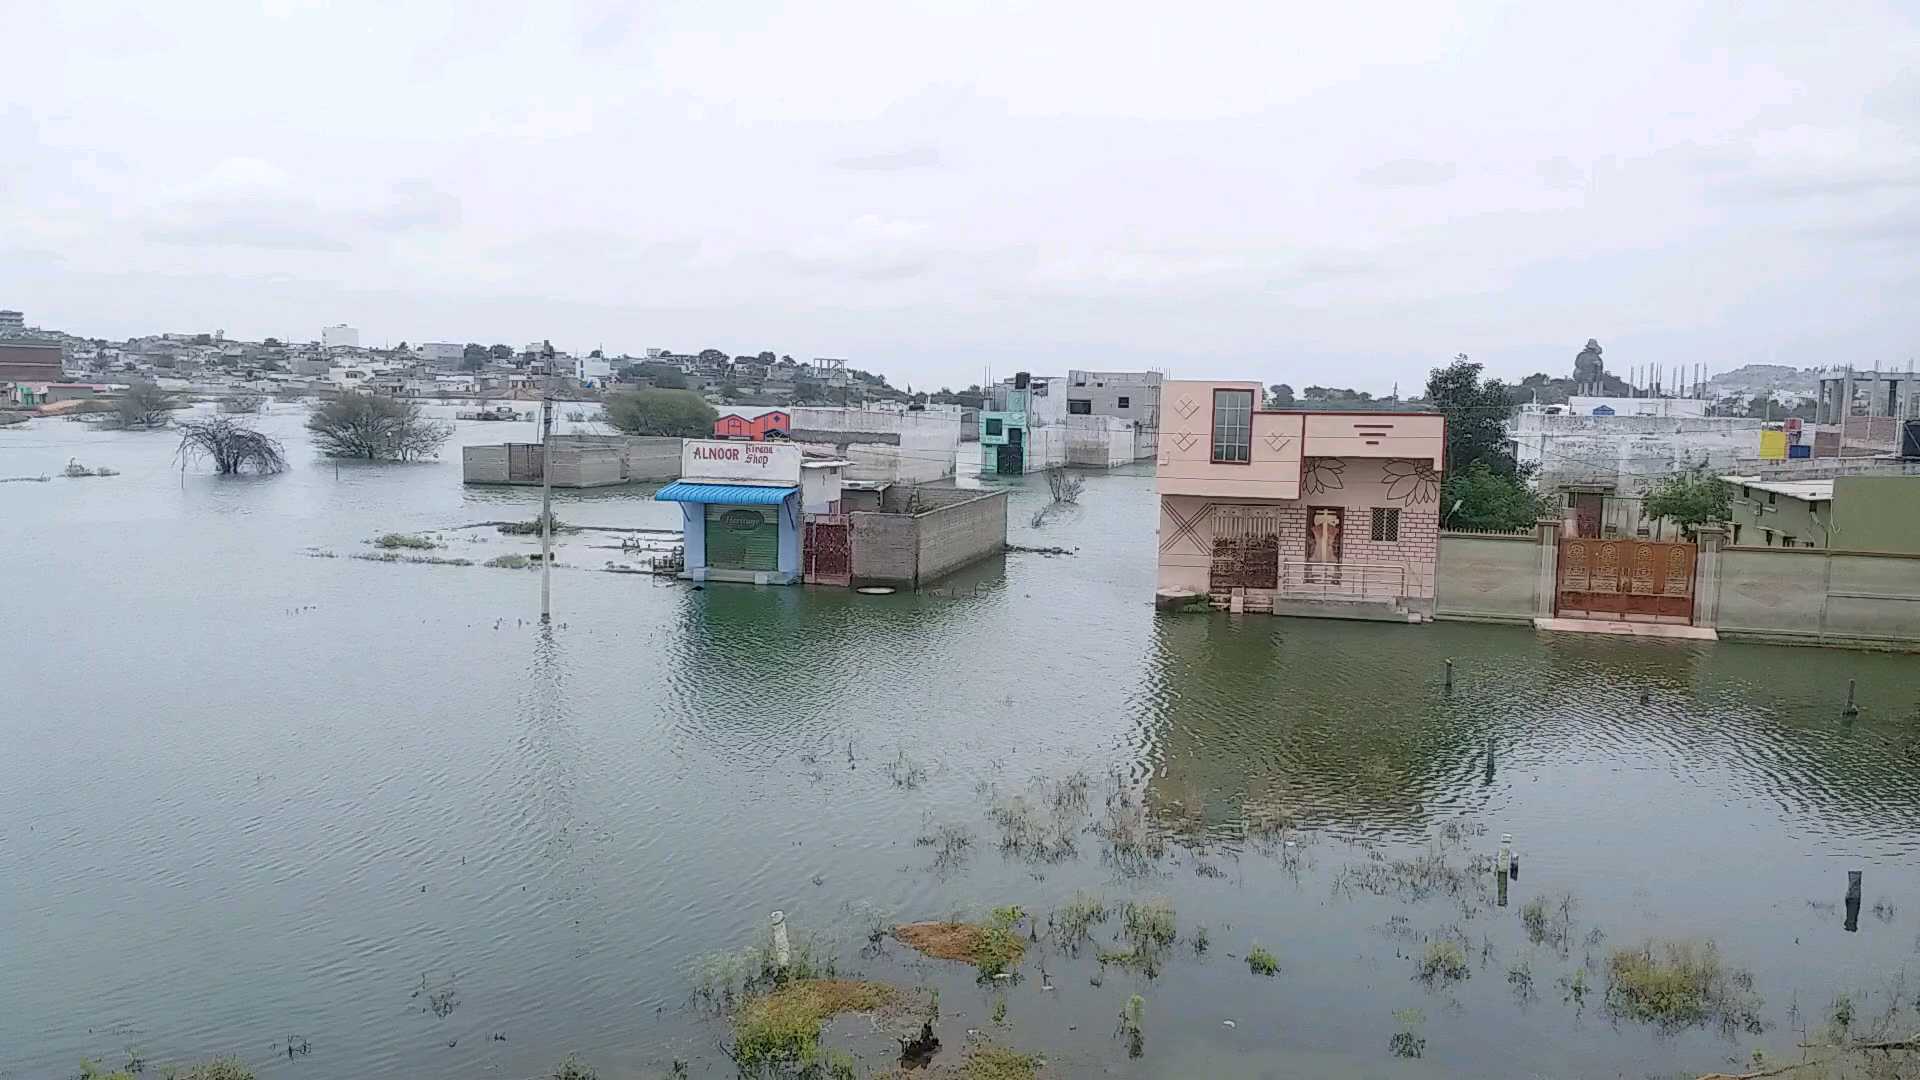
(248, 202)
(918, 157)
(1408, 173)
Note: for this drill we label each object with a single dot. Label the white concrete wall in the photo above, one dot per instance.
(1628, 451)
(1099, 442)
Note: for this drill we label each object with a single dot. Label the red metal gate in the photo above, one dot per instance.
(1614, 579)
(829, 551)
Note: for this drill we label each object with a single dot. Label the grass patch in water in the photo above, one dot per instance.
(1677, 984)
(1445, 961)
(225, 1068)
(402, 557)
(782, 1027)
(1073, 920)
(994, 948)
(508, 562)
(574, 1069)
(1262, 962)
(999, 1063)
(394, 541)
(1150, 927)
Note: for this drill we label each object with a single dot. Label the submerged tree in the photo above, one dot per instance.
(662, 412)
(232, 446)
(374, 427)
(144, 405)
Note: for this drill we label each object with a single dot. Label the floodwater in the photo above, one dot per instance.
(251, 794)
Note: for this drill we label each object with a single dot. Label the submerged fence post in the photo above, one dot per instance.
(1851, 709)
(782, 951)
(1449, 674)
(1853, 901)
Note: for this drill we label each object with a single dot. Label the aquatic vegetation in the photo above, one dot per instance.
(1130, 842)
(1419, 878)
(424, 560)
(393, 540)
(906, 772)
(1575, 986)
(1150, 927)
(574, 1069)
(950, 843)
(1679, 984)
(1549, 923)
(531, 527)
(1840, 1018)
(783, 1027)
(1032, 828)
(720, 978)
(994, 948)
(1445, 961)
(1407, 1042)
(223, 1068)
(998, 1063)
(999, 1010)
(1199, 939)
(1520, 978)
(508, 562)
(1262, 962)
(1073, 920)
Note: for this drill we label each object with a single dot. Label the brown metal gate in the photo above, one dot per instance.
(1246, 549)
(1618, 579)
(829, 556)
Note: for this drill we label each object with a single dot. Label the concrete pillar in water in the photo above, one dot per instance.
(1853, 901)
(782, 951)
(1449, 674)
(1851, 709)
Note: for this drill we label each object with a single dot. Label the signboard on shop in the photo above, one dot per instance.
(723, 459)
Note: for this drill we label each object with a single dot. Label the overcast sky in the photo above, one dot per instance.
(1311, 193)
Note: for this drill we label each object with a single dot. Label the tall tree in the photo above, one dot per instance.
(1690, 498)
(1280, 395)
(678, 413)
(1476, 415)
(500, 352)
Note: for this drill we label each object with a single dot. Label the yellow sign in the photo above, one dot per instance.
(1773, 445)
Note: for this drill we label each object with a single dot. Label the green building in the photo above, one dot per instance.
(1847, 513)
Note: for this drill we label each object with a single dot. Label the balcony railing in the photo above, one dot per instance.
(1342, 580)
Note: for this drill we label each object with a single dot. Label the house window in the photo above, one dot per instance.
(1386, 524)
(1080, 408)
(1125, 402)
(1233, 426)
(1769, 498)
(994, 427)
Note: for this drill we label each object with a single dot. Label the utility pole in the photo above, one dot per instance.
(546, 506)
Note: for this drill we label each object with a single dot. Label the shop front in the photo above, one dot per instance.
(740, 511)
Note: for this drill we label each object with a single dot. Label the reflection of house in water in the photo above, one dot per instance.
(1332, 514)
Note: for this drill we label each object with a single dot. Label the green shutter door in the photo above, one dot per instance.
(743, 537)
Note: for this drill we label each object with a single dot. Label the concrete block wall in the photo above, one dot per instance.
(960, 533)
(886, 549)
(1099, 442)
(483, 464)
(651, 458)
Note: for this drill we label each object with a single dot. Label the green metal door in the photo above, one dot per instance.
(743, 537)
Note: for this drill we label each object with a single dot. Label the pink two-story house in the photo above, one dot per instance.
(1299, 513)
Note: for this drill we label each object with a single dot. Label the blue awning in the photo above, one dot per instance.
(725, 494)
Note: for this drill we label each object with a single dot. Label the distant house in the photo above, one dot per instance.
(754, 425)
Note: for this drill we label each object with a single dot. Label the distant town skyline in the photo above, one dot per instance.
(1299, 195)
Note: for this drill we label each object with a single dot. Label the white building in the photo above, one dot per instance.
(1636, 406)
(339, 336)
(889, 445)
(440, 352)
(1623, 453)
(12, 320)
(592, 370)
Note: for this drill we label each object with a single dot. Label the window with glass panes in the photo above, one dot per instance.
(1233, 426)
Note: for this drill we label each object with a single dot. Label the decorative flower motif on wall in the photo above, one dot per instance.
(1410, 482)
(1323, 475)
